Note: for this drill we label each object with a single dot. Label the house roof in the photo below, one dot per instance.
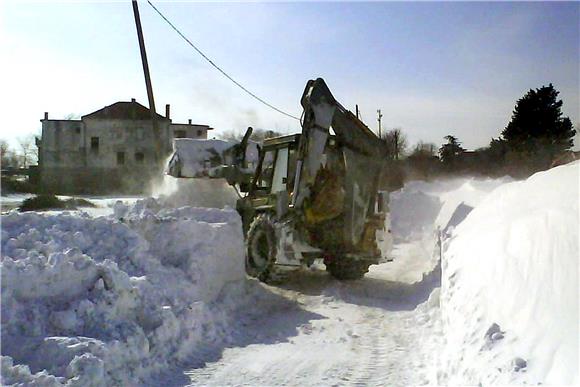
(178, 125)
(124, 111)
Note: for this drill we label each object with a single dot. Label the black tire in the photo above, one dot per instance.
(261, 248)
(347, 269)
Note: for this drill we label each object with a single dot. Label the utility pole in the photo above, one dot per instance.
(156, 132)
(357, 116)
(380, 115)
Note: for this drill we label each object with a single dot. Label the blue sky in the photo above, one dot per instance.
(432, 68)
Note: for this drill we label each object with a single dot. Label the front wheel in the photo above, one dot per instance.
(261, 247)
(347, 269)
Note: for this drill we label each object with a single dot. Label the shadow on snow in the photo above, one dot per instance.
(273, 320)
(368, 291)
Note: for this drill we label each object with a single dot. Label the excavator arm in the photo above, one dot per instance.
(321, 114)
(359, 151)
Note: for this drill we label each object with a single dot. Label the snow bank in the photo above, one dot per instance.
(509, 296)
(111, 300)
(420, 208)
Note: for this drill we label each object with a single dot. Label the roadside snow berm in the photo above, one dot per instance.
(509, 296)
(113, 300)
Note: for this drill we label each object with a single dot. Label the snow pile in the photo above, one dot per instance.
(413, 213)
(509, 296)
(420, 208)
(202, 192)
(111, 300)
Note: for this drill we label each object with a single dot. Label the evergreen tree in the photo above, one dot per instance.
(497, 151)
(450, 152)
(537, 127)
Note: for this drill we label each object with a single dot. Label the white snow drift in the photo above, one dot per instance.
(510, 259)
(102, 301)
(509, 296)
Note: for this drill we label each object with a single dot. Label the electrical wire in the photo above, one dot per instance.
(218, 68)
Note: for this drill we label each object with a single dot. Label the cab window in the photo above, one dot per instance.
(264, 180)
(280, 171)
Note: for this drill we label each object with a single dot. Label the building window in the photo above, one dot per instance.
(120, 158)
(139, 157)
(179, 134)
(94, 144)
(140, 133)
(78, 129)
(199, 133)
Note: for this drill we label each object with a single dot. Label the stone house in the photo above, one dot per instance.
(110, 150)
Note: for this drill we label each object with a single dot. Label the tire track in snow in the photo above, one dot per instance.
(359, 338)
(384, 352)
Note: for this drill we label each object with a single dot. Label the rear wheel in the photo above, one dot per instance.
(347, 269)
(261, 248)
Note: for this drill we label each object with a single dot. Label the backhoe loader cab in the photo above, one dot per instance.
(279, 233)
(276, 166)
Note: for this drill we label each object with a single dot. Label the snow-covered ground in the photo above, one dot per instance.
(103, 204)
(11, 201)
(172, 192)
(157, 295)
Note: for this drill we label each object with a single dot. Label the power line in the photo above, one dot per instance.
(218, 68)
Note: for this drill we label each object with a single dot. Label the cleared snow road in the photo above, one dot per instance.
(375, 331)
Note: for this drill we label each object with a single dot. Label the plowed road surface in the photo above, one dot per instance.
(378, 331)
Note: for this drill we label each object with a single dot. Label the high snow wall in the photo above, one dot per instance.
(509, 275)
(509, 295)
(112, 300)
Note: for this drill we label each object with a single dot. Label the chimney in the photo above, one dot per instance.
(46, 115)
(132, 99)
(167, 109)
(189, 121)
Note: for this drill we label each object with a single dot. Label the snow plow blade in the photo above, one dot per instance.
(193, 158)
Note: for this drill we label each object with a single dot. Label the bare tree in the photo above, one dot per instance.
(259, 135)
(231, 135)
(9, 159)
(424, 149)
(4, 154)
(396, 142)
(26, 150)
(4, 149)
